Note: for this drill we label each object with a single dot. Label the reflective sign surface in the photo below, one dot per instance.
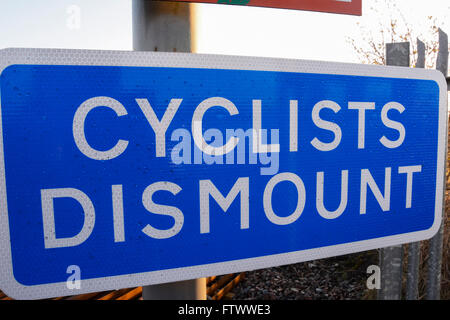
(127, 168)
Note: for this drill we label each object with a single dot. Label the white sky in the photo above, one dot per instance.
(106, 24)
(299, 34)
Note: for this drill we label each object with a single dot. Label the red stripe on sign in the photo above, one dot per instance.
(333, 6)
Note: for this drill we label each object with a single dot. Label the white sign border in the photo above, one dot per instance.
(13, 56)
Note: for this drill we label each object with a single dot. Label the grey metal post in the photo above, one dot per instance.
(162, 26)
(435, 253)
(412, 278)
(397, 54)
(180, 290)
(166, 26)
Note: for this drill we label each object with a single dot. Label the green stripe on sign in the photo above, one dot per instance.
(241, 2)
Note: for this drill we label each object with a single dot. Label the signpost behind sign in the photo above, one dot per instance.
(435, 252)
(397, 54)
(412, 283)
(352, 7)
(142, 168)
(166, 26)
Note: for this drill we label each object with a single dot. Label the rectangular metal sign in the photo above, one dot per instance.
(352, 7)
(123, 169)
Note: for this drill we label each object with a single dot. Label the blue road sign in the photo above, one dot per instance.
(122, 169)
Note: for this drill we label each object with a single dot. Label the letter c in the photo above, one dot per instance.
(78, 128)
